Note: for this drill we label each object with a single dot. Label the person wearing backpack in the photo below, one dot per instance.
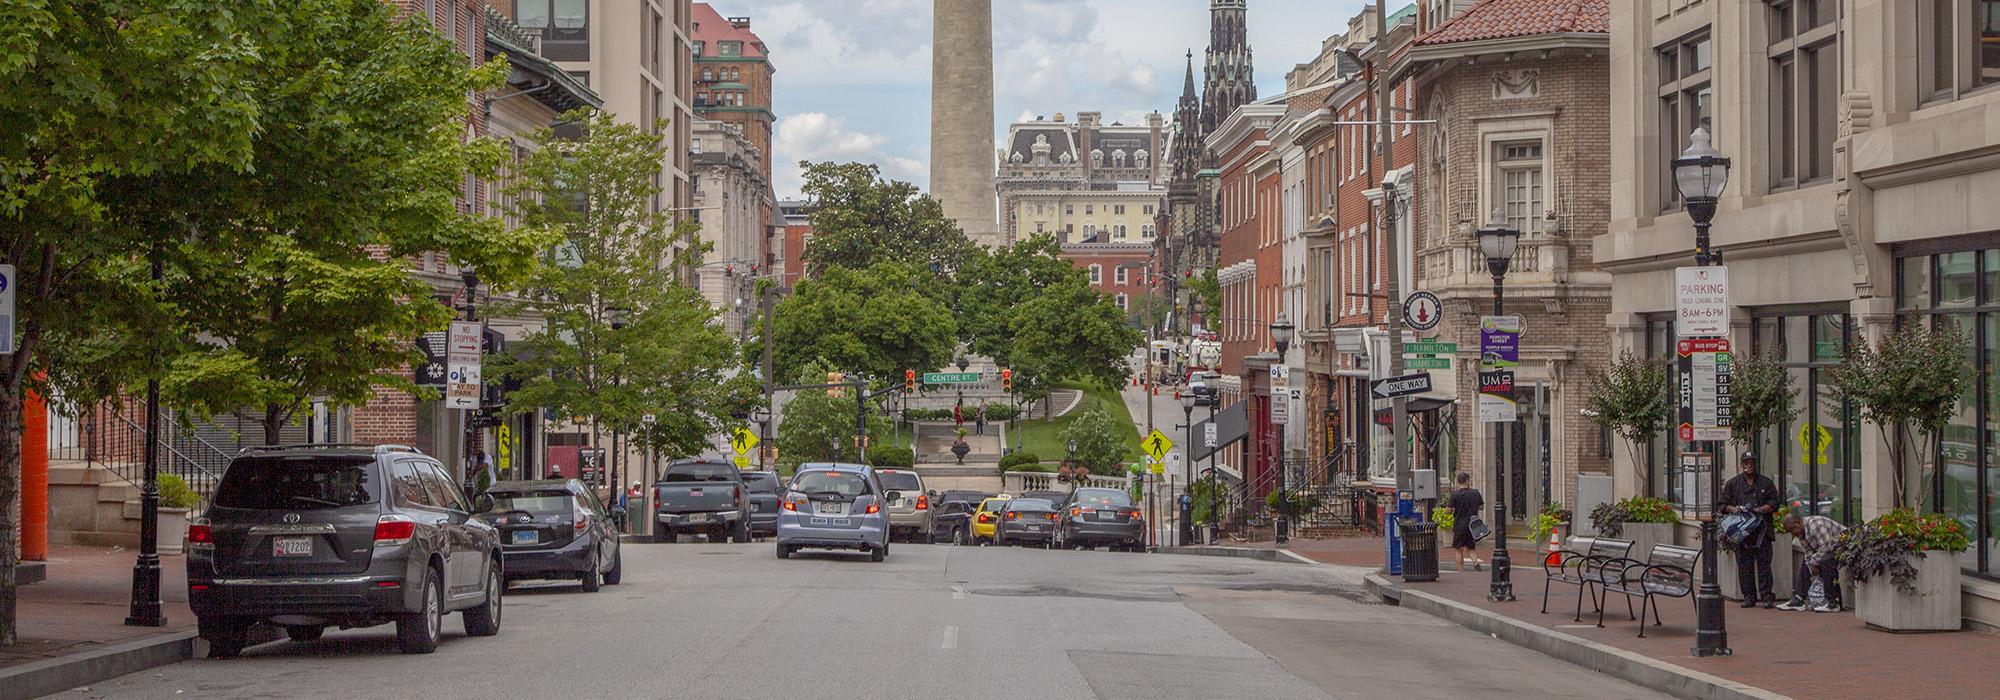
(1755, 494)
(1466, 503)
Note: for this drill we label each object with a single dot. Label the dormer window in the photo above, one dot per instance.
(1096, 158)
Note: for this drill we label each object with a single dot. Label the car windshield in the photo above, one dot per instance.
(546, 501)
(298, 483)
(1034, 504)
(992, 505)
(699, 472)
(847, 485)
(899, 481)
(761, 482)
(1098, 498)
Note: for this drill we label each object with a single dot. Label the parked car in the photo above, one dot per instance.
(555, 529)
(910, 515)
(1026, 521)
(765, 489)
(1053, 497)
(1098, 516)
(951, 521)
(316, 536)
(984, 520)
(973, 497)
(835, 506)
(702, 497)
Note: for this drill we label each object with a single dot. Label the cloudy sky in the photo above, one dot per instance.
(853, 80)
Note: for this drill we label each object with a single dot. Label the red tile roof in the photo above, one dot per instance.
(711, 28)
(1500, 19)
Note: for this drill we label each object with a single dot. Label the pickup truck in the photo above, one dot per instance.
(702, 497)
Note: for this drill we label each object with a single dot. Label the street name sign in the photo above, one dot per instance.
(1430, 347)
(1427, 363)
(1701, 301)
(1405, 385)
(951, 377)
(1157, 445)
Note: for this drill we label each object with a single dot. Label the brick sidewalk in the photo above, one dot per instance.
(82, 605)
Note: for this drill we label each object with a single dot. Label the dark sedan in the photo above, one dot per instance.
(763, 493)
(951, 521)
(1029, 521)
(555, 529)
(1094, 516)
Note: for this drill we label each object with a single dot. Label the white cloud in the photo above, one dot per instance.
(817, 136)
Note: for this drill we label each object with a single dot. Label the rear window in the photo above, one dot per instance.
(761, 483)
(699, 472)
(1102, 497)
(899, 481)
(1035, 504)
(298, 483)
(845, 484)
(538, 502)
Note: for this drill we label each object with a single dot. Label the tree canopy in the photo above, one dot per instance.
(878, 320)
(860, 219)
(818, 426)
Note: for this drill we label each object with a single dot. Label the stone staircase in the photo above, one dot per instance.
(91, 505)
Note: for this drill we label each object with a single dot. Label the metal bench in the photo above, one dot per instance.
(1580, 567)
(1668, 571)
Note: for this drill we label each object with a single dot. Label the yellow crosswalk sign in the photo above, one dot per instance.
(1156, 445)
(742, 441)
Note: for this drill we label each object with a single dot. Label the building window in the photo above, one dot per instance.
(1118, 232)
(707, 74)
(1121, 276)
(1039, 225)
(1960, 46)
(1146, 231)
(1069, 210)
(1096, 274)
(1805, 81)
(1118, 209)
(563, 24)
(1123, 301)
(1518, 171)
(1147, 210)
(694, 145)
(1089, 208)
(1685, 68)
(1962, 480)
(729, 48)
(701, 99)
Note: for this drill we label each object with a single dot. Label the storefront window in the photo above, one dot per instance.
(1812, 457)
(1961, 290)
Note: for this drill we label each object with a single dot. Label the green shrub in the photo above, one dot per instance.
(174, 492)
(1886, 544)
(1300, 503)
(1001, 411)
(1553, 514)
(1037, 467)
(1610, 517)
(1022, 458)
(1445, 519)
(892, 456)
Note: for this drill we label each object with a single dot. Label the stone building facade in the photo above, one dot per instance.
(732, 75)
(1044, 161)
(730, 198)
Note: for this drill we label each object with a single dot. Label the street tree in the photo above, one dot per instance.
(1071, 332)
(878, 320)
(1101, 443)
(818, 425)
(82, 118)
(359, 166)
(1631, 398)
(860, 219)
(993, 286)
(623, 336)
(1909, 385)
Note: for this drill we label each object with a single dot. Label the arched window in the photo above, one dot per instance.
(1118, 231)
(1139, 159)
(1118, 158)
(1097, 158)
(1089, 231)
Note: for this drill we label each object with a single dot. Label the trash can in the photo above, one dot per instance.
(1420, 549)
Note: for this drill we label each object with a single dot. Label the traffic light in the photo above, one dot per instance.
(1007, 380)
(910, 380)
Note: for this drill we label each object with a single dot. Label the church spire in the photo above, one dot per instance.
(1230, 82)
(1187, 86)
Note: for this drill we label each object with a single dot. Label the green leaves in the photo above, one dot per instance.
(1911, 381)
(1760, 395)
(880, 321)
(859, 220)
(1101, 444)
(1631, 398)
(819, 427)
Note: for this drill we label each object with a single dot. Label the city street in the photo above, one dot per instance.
(733, 621)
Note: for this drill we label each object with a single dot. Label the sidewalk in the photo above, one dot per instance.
(72, 628)
(1797, 654)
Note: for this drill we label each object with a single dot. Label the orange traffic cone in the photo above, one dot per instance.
(1554, 558)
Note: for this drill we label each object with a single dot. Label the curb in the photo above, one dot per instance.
(1639, 669)
(63, 673)
(1260, 553)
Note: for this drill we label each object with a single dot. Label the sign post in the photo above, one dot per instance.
(1701, 327)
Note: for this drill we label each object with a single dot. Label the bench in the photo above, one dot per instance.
(1580, 567)
(1668, 571)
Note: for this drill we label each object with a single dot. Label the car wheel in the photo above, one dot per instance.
(301, 633)
(483, 620)
(227, 636)
(589, 577)
(959, 536)
(742, 534)
(617, 572)
(784, 551)
(418, 633)
(879, 553)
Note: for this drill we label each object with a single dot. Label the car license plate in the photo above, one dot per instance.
(827, 508)
(526, 537)
(754, 507)
(292, 547)
(827, 521)
(1034, 528)
(697, 517)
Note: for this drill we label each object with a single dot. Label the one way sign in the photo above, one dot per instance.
(1400, 386)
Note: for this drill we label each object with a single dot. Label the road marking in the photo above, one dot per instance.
(957, 594)
(950, 637)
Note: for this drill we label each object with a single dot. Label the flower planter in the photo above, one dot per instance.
(1933, 608)
(173, 530)
(1645, 535)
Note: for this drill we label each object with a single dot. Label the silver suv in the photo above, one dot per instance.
(315, 536)
(909, 515)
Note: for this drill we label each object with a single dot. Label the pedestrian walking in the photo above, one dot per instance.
(1753, 493)
(636, 495)
(1814, 585)
(1466, 504)
(979, 421)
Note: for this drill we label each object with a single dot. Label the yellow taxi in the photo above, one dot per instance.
(987, 518)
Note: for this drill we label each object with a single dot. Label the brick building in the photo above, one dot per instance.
(732, 76)
(1119, 270)
(797, 230)
(1247, 267)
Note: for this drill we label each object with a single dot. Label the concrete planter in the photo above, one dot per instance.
(173, 530)
(1783, 565)
(1645, 536)
(1933, 608)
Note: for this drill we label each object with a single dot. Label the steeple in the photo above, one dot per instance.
(1230, 82)
(1188, 135)
(1187, 86)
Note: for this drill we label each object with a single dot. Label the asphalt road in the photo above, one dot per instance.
(733, 621)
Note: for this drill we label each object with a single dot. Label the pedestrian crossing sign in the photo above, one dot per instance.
(1156, 445)
(742, 441)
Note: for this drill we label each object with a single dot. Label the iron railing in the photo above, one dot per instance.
(104, 437)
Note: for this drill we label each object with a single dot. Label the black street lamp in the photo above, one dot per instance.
(145, 610)
(1497, 241)
(618, 317)
(1187, 467)
(468, 429)
(1700, 174)
(1281, 336)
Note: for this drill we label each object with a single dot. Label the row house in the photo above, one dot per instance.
(1248, 268)
(1861, 135)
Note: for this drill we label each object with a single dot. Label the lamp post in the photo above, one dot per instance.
(1187, 467)
(962, 364)
(1281, 336)
(145, 610)
(1700, 174)
(470, 277)
(1497, 241)
(1072, 466)
(618, 316)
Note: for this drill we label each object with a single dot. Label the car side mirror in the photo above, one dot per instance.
(482, 503)
(931, 493)
(893, 495)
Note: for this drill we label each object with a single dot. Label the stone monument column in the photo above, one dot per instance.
(962, 149)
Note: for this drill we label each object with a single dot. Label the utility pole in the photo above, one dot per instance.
(1399, 425)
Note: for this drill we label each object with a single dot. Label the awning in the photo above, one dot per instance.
(1420, 404)
(1231, 425)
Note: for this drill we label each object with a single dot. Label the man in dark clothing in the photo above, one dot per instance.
(1754, 493)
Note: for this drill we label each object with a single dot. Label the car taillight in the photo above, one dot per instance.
(737, 494)
(1050, 516)
(392, 530)
(985, 518)
(200, 534)
(582, 521)
(1013, 516)
(792, 506)
(923, 502)
(1076, 512)
(874, 508)
(1135, 515)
